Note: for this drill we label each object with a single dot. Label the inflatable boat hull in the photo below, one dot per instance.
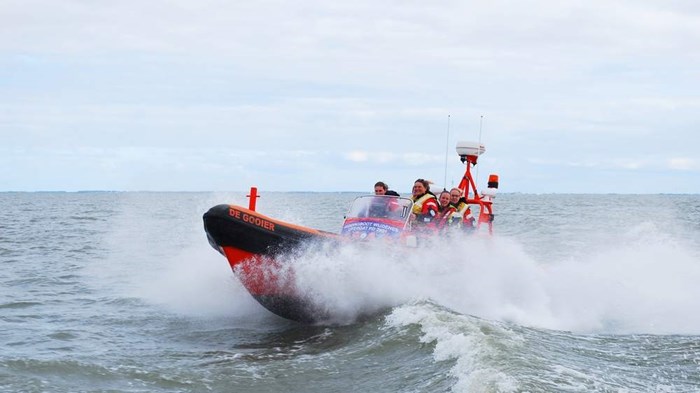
(254, 246)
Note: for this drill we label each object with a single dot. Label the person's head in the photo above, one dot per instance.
(444, 198)
(420, 187)
(380, 188)
(455, 194)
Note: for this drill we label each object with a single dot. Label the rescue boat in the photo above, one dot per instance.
(257, 246)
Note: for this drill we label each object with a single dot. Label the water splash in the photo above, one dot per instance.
(636, 281)
(645, 283)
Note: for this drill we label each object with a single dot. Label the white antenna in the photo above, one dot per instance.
(481, 122)
(447, 144)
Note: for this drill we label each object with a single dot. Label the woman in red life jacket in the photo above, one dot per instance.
(425, 205)
(462, 216)
(446, 210)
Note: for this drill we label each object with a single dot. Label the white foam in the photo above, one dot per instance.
(458, 338)
(641, 285)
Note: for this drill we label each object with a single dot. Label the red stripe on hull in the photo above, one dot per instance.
(236, 256)
(260, 275)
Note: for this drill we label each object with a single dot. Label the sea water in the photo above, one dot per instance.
(120, 292)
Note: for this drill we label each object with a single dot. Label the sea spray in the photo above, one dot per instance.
(635, 287)
(170, 265)
(639, 280)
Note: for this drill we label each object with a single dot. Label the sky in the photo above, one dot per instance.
(593, 96)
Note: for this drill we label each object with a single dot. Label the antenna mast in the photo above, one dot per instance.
(447, 143)
(481, 123)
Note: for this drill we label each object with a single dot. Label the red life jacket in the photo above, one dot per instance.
(426, 208)
(445, 216)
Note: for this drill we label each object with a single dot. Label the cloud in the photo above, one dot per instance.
(357, 156)
(359, 89)
(684, 164)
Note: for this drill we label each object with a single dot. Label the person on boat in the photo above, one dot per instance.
(446, 210)
(380, 188)
(425, 205)
(462, 216)
(383, 207)
(444, 199)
